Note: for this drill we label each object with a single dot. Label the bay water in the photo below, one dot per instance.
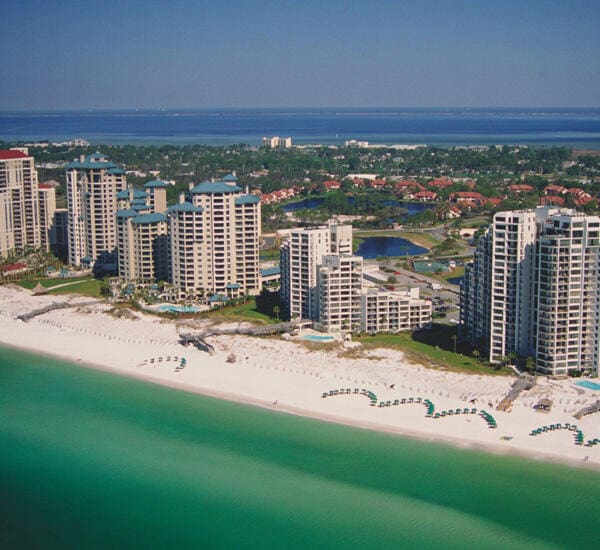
(89, 459)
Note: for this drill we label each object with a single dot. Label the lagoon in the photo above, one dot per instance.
(374, 247)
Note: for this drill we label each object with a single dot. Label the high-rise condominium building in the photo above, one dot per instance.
(47, 205)
(322, 281)
(142, 234)
(300, 255)
(92, 186)
(220, 235)
(19, 202)
(532, 289)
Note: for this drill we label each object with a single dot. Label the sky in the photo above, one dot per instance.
(113, 54)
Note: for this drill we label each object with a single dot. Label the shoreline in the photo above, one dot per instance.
(290, 388)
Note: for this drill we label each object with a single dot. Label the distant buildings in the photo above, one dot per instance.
(277, 142)
(533, 290)
(322, 280)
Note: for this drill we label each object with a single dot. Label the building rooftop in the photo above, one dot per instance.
(137, 194)
(270, 271)
(247, 199)
(208, 187)
(156, 183)
(229, 177)
(8, 154)
(184, 207)
(155, 217)
(127, 213)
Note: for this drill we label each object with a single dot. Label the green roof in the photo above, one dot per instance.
(116, 171)
(184, 207)
(156, 183)
(140, 207)
(215, 187)
(127, 213)
(90, 165)
(155, 217)
(229, 177)
(247, 199)
(233, 286)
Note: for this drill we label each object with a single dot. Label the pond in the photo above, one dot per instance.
(373, 247)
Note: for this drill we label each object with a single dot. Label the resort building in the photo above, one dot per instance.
(339, 283)
(92, 186)
(393, 311)
(47, 205)
(532, 290)
(59, 234)
(322, 281)
(300, 255)
(142, 241)
(19, 202)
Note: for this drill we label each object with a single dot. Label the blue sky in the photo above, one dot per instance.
(422, 53)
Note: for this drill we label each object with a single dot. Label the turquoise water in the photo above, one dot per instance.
(318, 338)
(587, 384)
(92, 460)
(178, 309)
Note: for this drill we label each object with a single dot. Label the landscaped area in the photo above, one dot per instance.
(432, 347)
(85, 286)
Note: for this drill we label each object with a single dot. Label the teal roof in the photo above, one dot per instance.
(97, 156)
(89, 165)
(217, 298)
(247, 199)
(184, 207)
(155, 217)
(233, 286)
(116, 171)
(137, 194)
(269, 271)
(215, 187)
(127, 213)
(140, 207)
(139, 200)
(156, 183)
(229, 177)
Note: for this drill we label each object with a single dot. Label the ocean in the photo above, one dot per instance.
(93, 460)
(577, 128)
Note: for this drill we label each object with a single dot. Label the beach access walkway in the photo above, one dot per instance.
(522, 383)
(54, 305)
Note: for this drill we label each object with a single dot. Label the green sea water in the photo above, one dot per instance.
(93, 460)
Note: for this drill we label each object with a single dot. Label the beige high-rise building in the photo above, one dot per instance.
(47, 204)
(142, 241)
(340, 284)
(533, 289)
(19, 202)
(229, 250)
(92, 186)
(393, 311)
(300, 255)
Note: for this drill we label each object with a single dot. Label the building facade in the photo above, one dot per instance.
(47, 206)
(532, 290)
(393, 311)
(19, 202)
(92, 186)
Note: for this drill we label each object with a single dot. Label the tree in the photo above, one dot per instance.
(276, 311)
(475, 353)
(530, 364)
(454, 338)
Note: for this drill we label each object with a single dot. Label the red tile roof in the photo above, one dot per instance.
(45, 186)
(6, 154)
(550, 199)
(12, 267)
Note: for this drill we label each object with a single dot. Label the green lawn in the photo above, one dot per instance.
(89, 287)
(242, 312)
(49, 283)
(433, 347)
(444, 276)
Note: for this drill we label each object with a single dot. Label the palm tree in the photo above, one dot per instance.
(475, 353)
(454, 338)
(276, 312)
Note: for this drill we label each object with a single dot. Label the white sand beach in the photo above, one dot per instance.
(287, 376)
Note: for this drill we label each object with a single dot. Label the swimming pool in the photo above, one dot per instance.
(178, 309)
(318, 338)
(588, 385)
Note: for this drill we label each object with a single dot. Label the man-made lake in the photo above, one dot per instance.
(373, 247)
(411, 207)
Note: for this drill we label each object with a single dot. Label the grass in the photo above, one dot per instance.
(458, 271)
(242, 312)
(432, 347)
(89, 287)
(49, 283)
(269, 254)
